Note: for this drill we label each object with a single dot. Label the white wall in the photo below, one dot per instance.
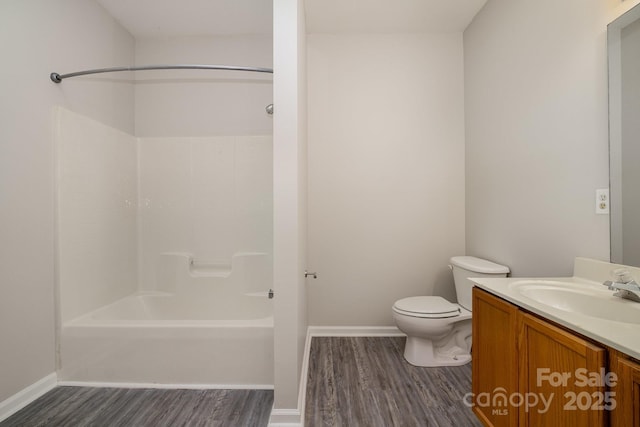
(289, 215)
(617, 8)
(97, 208)
(38, 37)
(204, 103)
(386, 172)
(536, 133)
(302, 318)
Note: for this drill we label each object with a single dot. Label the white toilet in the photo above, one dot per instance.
(438, 331)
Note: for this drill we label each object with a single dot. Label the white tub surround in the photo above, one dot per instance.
(210, 326)
(165, 258)
(587, 280)
(210, 198)
(162, 339)
(96, 213)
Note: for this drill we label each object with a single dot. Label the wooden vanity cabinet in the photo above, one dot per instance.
(559, 366)
(627, 390)
(525, 356)
(494, 359)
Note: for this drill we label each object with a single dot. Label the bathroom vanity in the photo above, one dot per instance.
(561, 351)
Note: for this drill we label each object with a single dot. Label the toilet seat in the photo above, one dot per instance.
(431, 307)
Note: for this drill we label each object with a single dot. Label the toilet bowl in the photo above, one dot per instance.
(438, 331)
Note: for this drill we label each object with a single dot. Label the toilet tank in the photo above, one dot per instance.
(464, 267)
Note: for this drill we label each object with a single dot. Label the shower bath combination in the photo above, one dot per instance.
(134, 306)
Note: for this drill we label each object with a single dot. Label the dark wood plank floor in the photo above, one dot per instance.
(83, 406)
(352, 382)
(367, 382)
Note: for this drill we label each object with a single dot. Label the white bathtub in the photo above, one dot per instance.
(174, 340)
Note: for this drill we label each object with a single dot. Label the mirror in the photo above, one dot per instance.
(623, 39)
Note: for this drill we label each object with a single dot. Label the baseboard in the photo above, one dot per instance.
(355, 331)
(302, 392)
(285, 418)
(27, 395)
(279, 417)
(166, 386)
(295, 417)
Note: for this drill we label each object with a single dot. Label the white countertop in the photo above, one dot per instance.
(624, 337)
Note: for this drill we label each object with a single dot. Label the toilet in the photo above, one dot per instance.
(439, 331)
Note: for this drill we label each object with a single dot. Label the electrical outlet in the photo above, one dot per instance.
(602, 201)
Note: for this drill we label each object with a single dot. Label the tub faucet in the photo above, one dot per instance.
(625, 285)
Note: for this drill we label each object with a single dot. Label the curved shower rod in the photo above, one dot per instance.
(57, 78)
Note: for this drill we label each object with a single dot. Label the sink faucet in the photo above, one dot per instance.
(625, 285)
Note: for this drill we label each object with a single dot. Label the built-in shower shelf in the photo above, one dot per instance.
(209, 270)
(180, 268)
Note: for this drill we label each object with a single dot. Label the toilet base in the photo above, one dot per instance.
(420, 352)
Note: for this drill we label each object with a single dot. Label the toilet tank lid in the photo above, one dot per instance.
(478, 265)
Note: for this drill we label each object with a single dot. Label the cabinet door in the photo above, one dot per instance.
(627, 411)
(494, 359)
(560, 375)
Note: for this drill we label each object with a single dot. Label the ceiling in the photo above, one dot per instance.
(170, 18)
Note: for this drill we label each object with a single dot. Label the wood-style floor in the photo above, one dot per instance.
(352, 382)
(111, 407)
(366, 382)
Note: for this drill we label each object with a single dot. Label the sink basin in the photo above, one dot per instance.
(587, 300)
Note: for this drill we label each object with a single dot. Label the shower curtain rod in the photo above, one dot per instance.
(57, 78)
